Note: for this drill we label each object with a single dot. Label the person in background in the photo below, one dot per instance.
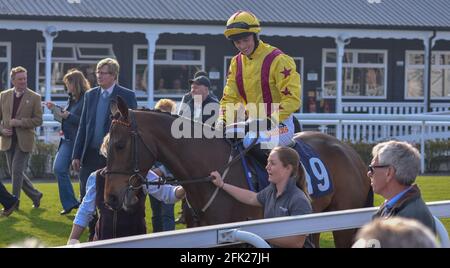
(76, 85)
(395, 232)
(8, 201)
(393, 170)
(163, 218)
(200, 85)
(95, 121)
(20, 114)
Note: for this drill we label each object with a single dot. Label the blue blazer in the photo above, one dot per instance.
(70, 125)
(87, 121)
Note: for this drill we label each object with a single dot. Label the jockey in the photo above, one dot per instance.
(264, 81)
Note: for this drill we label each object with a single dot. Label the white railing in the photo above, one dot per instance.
(379, 123)
(358, 127)
(368, 133)
(211, 236)
(375, 127)
(392, 107)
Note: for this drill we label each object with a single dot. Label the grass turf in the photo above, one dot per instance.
(52, 229)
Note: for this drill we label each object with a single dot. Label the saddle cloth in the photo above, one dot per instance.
(317, 175)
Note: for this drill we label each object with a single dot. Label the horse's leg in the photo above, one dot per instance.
(189, 218)
(344, 238)
(319, 205)
(316, 239)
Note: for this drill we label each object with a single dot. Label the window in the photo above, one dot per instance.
(363, 75)
(5, 65)
(173, 67)
(227, 61)
(84, 57)
(440, 74)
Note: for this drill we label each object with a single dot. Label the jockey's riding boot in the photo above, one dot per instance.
(260, 154)
(297, 126)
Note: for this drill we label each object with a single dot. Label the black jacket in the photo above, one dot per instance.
(411, 206)
(187, 108)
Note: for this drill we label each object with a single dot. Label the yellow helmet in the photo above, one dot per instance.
(242, 22)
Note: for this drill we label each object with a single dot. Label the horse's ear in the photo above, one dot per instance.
(114, 108)
(122, 107)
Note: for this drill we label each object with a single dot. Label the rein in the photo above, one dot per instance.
(136, 180)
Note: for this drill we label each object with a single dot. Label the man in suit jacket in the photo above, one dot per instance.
(20, 114)
(95, 120)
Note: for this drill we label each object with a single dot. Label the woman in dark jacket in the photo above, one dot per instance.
(76, 85)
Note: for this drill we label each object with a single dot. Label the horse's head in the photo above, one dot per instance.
(128, 159)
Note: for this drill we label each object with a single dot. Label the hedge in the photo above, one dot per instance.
(41, 160)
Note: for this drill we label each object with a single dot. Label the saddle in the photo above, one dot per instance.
(316, 174)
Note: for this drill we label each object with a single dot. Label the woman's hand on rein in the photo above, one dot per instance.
(217, 179)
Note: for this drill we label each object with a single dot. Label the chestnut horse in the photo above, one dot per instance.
(138, 138)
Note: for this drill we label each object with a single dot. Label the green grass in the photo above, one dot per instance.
(52, 229)
(433, 188)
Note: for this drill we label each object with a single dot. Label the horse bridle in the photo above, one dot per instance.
(136, 180)
(136, 176)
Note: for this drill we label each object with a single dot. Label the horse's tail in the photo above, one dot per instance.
(369, 200)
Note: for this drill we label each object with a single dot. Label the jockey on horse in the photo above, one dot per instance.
(265, 81)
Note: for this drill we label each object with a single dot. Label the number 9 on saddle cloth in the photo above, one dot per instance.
(318, 181)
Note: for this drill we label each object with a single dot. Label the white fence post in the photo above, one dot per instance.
(422, 149)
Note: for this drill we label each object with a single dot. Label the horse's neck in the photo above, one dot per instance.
(194, 157)
(187, 158)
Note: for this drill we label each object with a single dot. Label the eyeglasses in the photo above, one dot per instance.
(103, 73)
(371, 168)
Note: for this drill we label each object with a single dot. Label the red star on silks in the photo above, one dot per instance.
(286, 92)
(286, 72)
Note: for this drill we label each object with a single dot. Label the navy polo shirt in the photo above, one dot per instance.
(293, 201)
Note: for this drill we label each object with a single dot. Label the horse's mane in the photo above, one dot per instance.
(174, 116)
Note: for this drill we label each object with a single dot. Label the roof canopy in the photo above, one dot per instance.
(376, 14)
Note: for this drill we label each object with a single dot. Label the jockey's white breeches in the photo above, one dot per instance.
(280, 135)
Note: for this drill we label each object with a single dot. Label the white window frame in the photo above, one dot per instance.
(437, 53)
(7, 59)
(41, 50)
(355, 64)
(167, 61)
(78, 49)
(75, 59)
(225, 70)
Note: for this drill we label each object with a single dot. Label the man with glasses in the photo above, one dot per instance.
(393, 170)
(96, 119)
